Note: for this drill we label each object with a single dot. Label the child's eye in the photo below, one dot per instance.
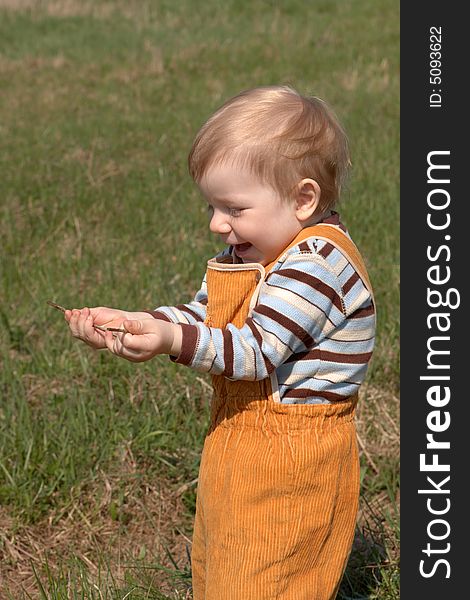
(235, 212)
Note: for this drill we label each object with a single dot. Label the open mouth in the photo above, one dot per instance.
(242, 249)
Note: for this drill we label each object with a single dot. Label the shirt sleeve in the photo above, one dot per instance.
(299, 304)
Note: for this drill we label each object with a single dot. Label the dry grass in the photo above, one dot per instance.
(65, 8)
(378, 430)
(134, 520)
(374, 560)
(124, 517)
(139, 12)
(378, 423)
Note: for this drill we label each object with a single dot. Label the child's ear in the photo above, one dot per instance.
(307, 199)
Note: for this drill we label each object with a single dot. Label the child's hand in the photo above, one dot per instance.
(81, 323)
(145, 339)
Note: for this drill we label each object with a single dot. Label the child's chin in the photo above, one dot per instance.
(254, 259)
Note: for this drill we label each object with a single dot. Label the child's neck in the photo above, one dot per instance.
(318, 218)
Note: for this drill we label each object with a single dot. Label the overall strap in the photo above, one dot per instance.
(335, 236)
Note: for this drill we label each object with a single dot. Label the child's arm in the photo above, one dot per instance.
(299, 305)
(145, 339)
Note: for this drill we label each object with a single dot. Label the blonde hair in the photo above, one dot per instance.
(281, 136)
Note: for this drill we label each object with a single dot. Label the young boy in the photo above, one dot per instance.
(284, 323)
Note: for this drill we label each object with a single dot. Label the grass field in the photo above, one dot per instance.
(99, 103)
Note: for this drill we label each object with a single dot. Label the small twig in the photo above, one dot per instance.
(185, 487)
(101, 327)
(119, 329)
(54, 305)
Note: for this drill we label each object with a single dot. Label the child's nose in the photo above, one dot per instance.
(219, 223)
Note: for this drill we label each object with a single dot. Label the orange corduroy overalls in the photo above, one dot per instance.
(278, 485)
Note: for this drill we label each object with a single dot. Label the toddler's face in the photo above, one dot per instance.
(248, 214)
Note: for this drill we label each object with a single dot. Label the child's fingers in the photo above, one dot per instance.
(141, 336)
(77, 322)
(118, 345)
(81, 327)
(88, 329)
(109, 340)
(134, 327)
(74, 322)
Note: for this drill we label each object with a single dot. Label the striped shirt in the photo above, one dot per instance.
(313, 326)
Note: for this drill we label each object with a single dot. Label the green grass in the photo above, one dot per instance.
(100, 101)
